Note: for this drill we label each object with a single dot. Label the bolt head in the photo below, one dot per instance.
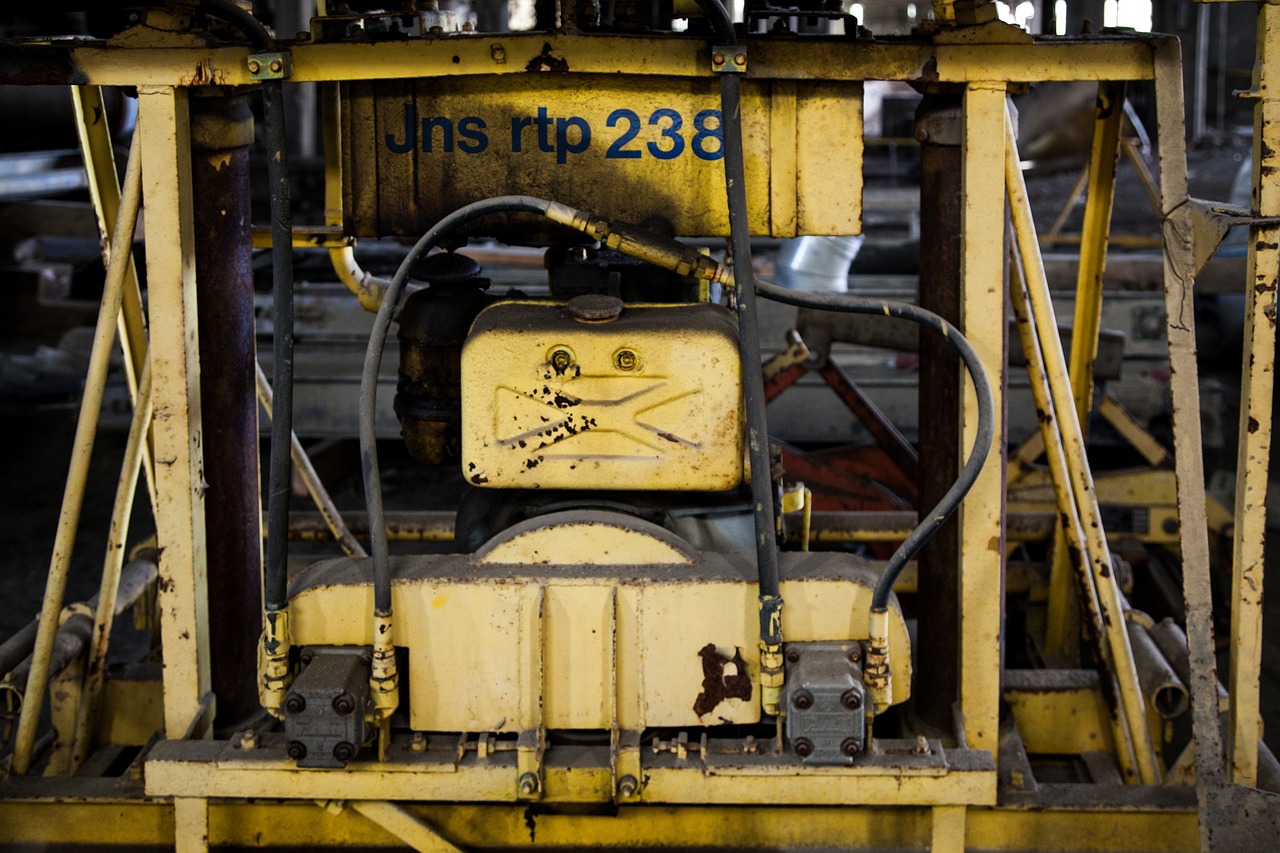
(717, 58)
(855, 654)
(344, 704)
(276, 65)
(803, 747)
(296, 749)
(625, 360)
(254, 66)
(852, 699)
(295, 704)
(850, 746)
(344, 751)
(628, 785)
(793, 655)
(739, 59)
(560, 359)
(528, 784)
(802, 699)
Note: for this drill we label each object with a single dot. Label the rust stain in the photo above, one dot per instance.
(716, 686)
(546, 62)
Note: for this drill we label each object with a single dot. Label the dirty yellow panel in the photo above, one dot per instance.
(650, 400)
(623, 147)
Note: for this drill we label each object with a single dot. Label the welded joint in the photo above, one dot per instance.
(729, 59)
(269, 66)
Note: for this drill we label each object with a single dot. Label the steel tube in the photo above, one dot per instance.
(221, 136)
(82, 451)
(1071, 532)
(113, 566)
(1110, 601)
(1164, 690)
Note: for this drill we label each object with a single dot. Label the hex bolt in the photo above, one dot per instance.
(793, 655)
(852, 699)
(627, 786)
(276, 66)
(922, 745)
(803, 747)
(528, 784)
(295, 749)
(498, 53)
(295, 704)
(254, 66)
(850, 746)
(855, 654)
(717, 58)
(560, 360)
(739, 59)
(344, 751)
(249, 740)
(419, 743)
(802, 699)
(344, 704)
(625, 359)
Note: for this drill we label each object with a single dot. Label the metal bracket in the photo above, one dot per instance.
(729, 59)
(1210, 222)
(269, 66)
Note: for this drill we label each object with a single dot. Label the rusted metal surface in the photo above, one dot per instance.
(938, 120)
(221, 133)
(717, 683)
(433, 325)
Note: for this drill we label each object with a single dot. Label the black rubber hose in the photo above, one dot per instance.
(275, 570)
(986, 411)
(373, 364)
(762, 503)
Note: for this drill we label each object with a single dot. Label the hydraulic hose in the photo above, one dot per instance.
(850, 304)
(762, 499)
(383, 679)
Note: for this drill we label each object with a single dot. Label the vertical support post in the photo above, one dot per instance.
(221, 135)
(947, 832)
(1257, 375)
(190, 825)
(939, 122)
(164, 131)
(1185, 394)
(983, 323)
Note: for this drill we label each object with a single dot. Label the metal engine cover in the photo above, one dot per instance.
(649, 399)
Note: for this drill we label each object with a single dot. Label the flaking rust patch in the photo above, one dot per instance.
(716, 686)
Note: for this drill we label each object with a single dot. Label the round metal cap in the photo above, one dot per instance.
(595, 308)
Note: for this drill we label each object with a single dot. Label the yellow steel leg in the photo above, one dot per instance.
(1255, 410)
(947, 834)
(982, 515)
(1110, 599)
(1060, 625)
(1185, 394)
(180, 530)
(73, 496)
(190, 825)
(117, 540)
(1070, 533)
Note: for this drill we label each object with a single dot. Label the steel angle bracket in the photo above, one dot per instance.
(1210, 222)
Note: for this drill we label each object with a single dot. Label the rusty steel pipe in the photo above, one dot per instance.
(938, 123)
(1165, 692)
(221, 135)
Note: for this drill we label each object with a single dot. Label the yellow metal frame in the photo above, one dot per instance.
(208, 787)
